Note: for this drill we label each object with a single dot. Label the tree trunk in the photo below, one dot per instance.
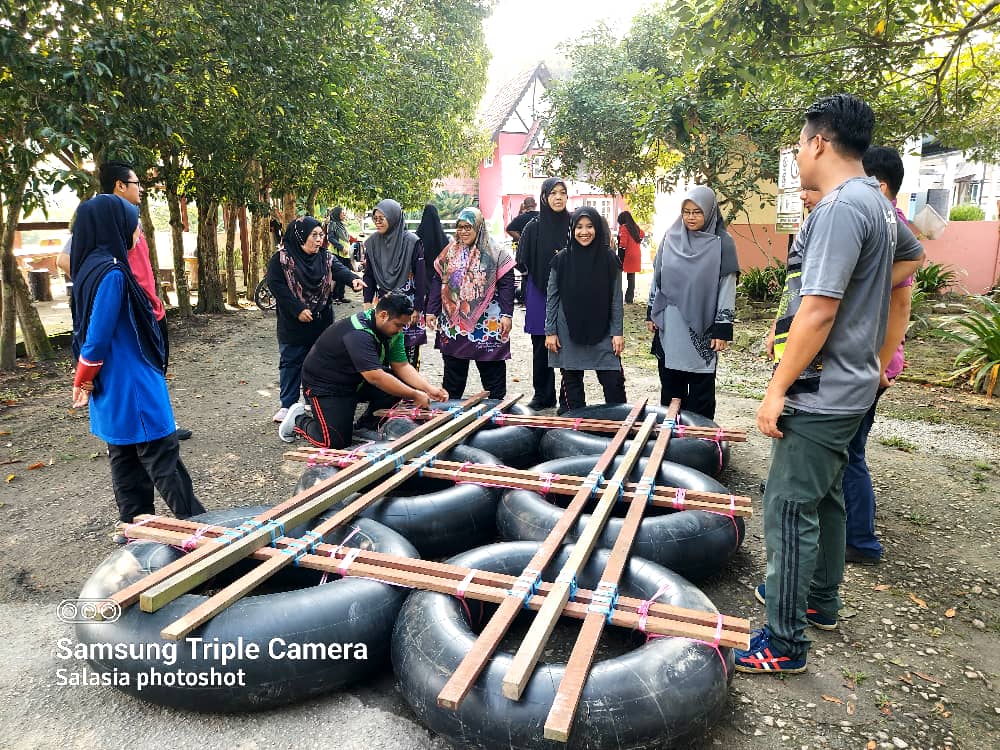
(288, 207)
(209, 280)
(177, 236)
(149, 229)
(13, 290)
(311, 201)
(231, 215)
(245, 247)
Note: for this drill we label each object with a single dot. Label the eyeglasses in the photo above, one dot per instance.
(380, 220)
(132, 182)
(317, 233)
(463, 227)
(799, 146)
(692, 212)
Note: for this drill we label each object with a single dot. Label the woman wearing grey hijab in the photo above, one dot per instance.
(394, 263)
(692, 302)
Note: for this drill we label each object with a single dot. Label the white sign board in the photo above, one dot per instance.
(789, 217)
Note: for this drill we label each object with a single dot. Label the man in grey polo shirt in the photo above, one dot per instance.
(831, 322)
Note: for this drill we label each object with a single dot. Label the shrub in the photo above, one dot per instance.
(764, 284)
(980, 360)
(934, 278)
(966, 212)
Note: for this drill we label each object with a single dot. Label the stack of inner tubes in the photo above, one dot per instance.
(655, 695)
(292, 617)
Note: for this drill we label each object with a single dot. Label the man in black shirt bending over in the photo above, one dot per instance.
(360, 358)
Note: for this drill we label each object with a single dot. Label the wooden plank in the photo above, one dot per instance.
(246, 583)
(176, 532)
(442, 578)
(461, 681)
(534, 641)
(560, 718)
(583, 425)
(130, 594)
(562, 484)
(192, 576)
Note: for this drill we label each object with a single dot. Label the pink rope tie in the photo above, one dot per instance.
(192, 541)
(577, 423)
(355, 454)
(460, 593)
(679, 430)
(546, 483)
(349, 558)
(459, 470)
(643, 612)
(717, 439)
(335, 550)
(131, 526)
(678, 501)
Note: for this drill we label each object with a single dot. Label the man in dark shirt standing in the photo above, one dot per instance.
(360, 358)
(525, 213)
(831, 322)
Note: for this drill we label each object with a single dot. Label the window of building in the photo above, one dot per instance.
(603, 206)
(538, 165)
(488, 161)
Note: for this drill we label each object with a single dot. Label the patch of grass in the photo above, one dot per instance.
(854, 676)
(898, 443)
(919, 519)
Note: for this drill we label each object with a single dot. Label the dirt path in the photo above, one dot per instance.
(913, 664)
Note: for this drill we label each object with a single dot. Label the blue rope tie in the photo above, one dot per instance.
(314, 538)
(276, 529)
(571, 580)
(593, 481)
(604, 600)
(424, 461)
(645, 489)
(296, 549)
(526, 585)
(455, 411)
(670, 424)
(231, 536)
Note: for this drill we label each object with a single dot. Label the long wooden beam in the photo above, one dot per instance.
(471, 666)
(581, 424)
(560, 718)
(530, 650)
(156, 596)
(176, 532)
(239, 588)
(480, 585)
(556, 484)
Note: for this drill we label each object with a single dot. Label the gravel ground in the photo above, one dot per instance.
(913, 663)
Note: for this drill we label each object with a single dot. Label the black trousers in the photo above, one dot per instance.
(136, 469)
(543, 377)
(571, 390)
(696, 390)
(331, 425)
(492, 374)
(338, 290)
(413, 355)
(629, 288)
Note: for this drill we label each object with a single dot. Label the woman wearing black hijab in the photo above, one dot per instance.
(432, 236)
(301, 275)
(120, 362)
(540, 241)
(584, 312)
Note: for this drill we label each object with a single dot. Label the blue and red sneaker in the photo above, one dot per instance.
(762, 658)
(813, 616)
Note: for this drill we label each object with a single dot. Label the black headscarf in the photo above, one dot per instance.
(550, 236)
(308, 276)
(102, 237)
(431, 234)
(586, 279)
(625, 220)
(390, 255)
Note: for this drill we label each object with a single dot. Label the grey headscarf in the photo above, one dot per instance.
(390, 255)
(691, 264)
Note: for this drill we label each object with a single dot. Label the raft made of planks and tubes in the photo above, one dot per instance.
(216, 548)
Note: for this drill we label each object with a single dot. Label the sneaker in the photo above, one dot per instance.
(813, 617)
(856, 556)
(538, 405)
(280, 414)
(762, 658)
(286, 430)
(183, 433)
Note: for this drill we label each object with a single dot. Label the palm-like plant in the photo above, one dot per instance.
(980, 360)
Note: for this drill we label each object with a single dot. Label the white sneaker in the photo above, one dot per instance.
(286, 430)
(279, 415)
